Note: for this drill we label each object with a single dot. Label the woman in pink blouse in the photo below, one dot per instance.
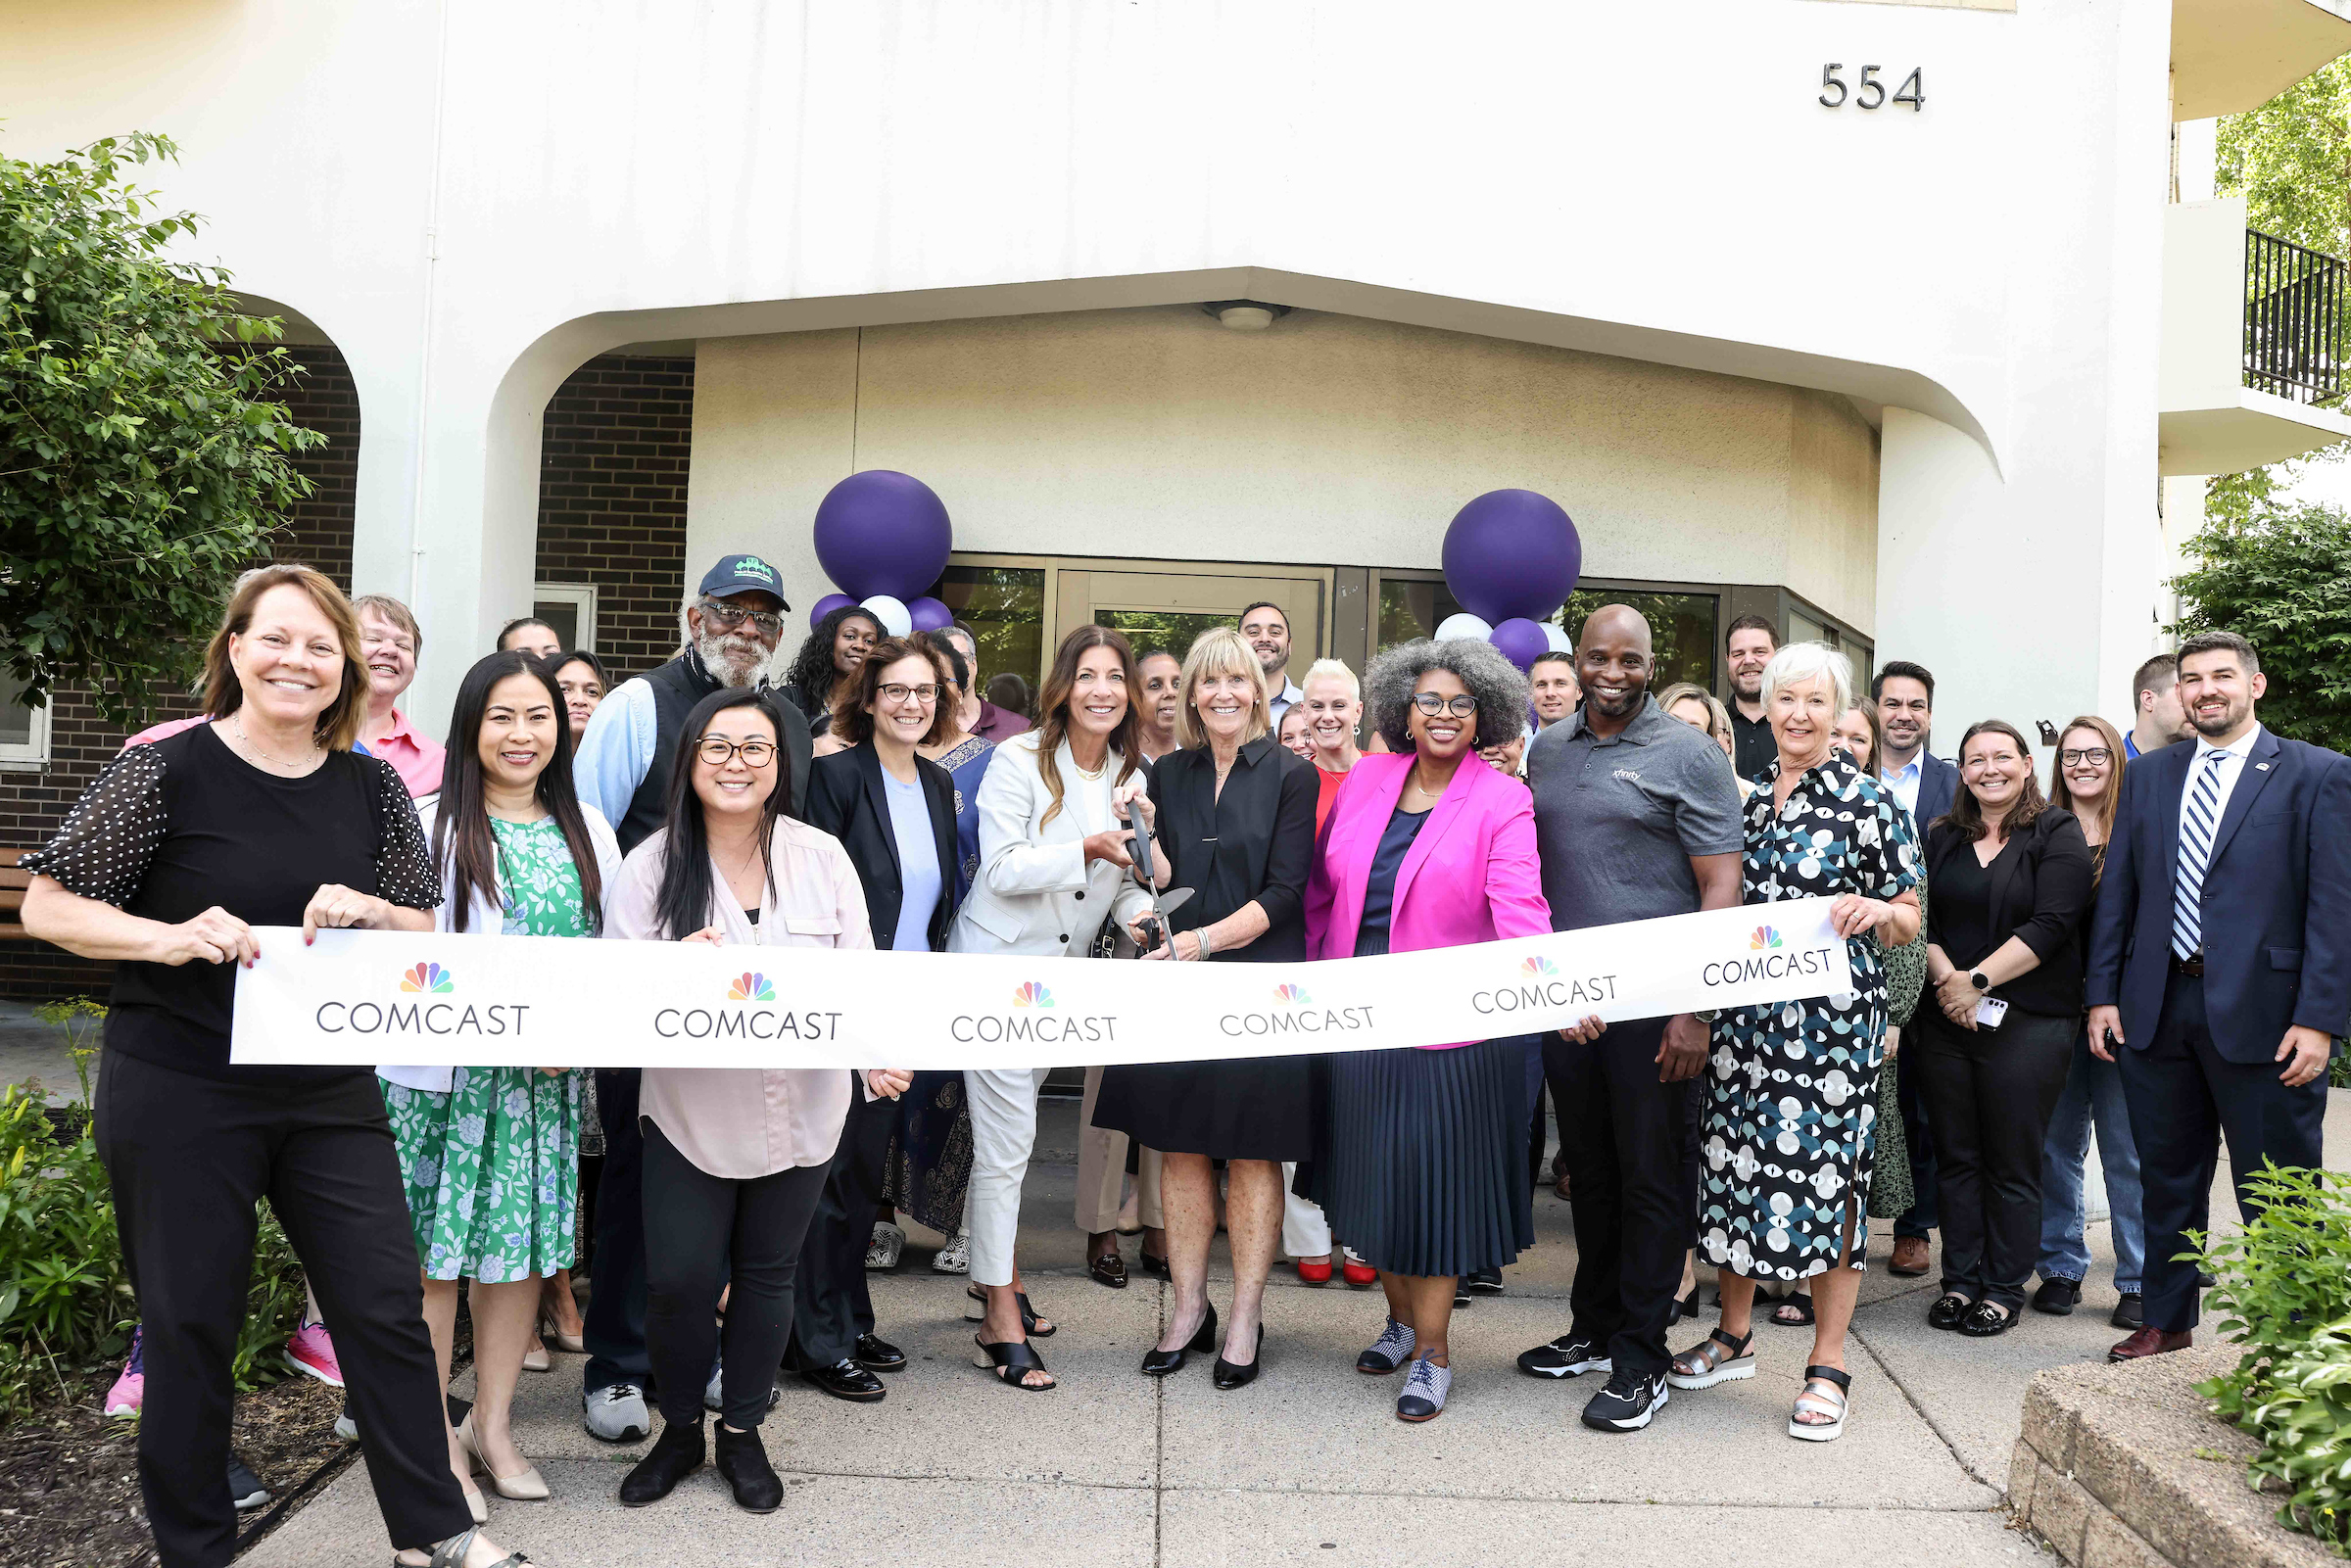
(734, 1158)
(1425, 1169)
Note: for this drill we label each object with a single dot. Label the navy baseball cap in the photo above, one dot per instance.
(743, 574)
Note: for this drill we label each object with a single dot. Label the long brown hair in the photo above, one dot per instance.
(223, 693)
(2102, 808)
(1054, 703)
(463, 842)
(1967, 815)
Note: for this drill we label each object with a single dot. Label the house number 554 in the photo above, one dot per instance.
(1869, 92)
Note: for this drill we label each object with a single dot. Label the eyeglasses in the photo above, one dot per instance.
(1430, 704)
(2075, 756)
(894, 692)
(718, 751)
(730, 616)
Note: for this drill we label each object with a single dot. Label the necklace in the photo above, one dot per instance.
(246, 742)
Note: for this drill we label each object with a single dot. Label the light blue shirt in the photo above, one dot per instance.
(1902, 780)
(917, 864)
(617, 751)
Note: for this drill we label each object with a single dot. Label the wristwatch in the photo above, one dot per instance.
(1979, 979)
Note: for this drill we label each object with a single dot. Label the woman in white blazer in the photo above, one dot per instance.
(1052, 850)
(490, 1156)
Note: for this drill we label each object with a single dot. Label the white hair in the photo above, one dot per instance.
(1336, 671)
(1799, 662)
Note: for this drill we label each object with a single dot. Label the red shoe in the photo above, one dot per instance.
(1357, 1273)
(1311, 1272)
(2149, 1342)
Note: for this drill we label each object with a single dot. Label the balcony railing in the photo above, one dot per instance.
(2294, 301)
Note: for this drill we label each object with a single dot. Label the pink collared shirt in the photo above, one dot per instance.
(416, 759)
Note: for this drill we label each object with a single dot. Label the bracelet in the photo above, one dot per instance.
(1201, 936)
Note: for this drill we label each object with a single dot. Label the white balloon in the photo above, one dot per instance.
(1556, 636)
(892, 614)
(1464, 625)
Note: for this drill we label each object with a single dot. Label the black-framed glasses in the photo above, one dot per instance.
(1430, 704)
(718, 751)
(2075, 756)
(730, 616)
(897, 691)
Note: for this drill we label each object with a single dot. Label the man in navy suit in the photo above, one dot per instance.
(1924, 784)
(2220, 959)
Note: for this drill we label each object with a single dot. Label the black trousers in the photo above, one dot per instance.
(188, 1157)
(1633, 1198)
(614, 1327)
(2184, 1098)
(1923, 1216)
(831, 1306)
(693, 1223)
(1988, 1098)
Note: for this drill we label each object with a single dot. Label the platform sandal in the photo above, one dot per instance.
(1706, 1366)
(1831, 1403)
(1036, 1327)
(1011, 1360)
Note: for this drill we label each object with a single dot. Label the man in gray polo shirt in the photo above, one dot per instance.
(1636, 816)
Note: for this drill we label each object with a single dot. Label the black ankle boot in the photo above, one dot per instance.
(743, 1460)
(676, 1455)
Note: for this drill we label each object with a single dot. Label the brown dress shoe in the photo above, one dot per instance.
(2149, 1342)
(1909, 1255)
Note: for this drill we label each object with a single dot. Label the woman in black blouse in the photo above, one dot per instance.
(1234, 814)
(171, 857)
(2011, 876)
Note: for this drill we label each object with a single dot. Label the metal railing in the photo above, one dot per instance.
(2294, 299)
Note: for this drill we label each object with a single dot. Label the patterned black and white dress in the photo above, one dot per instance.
(1792, 1093)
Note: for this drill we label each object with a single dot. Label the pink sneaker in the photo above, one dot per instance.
(312, 1351)
(130, 1389)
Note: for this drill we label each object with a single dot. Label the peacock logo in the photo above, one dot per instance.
(430, 979)
(1764, 936)
(1032, 994)
(1292, 996)
(1537, 967)
(751, 989)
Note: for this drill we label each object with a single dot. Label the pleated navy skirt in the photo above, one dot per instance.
(1424, 1170)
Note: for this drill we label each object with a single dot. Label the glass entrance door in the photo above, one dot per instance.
(1167, 608)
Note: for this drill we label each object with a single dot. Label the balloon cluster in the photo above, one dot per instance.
(1511, 556)
(883, 538)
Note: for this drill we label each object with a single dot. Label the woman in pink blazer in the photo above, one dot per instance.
(1424, 1173)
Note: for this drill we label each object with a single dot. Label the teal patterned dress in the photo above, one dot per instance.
(493, 1167)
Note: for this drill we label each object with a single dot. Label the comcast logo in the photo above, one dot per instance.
(751, 989)
(1292, 996)
(1764, 937)
(430, 979)
(1032, 994)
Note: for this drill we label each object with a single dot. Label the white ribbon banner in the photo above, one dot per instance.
(358, 998)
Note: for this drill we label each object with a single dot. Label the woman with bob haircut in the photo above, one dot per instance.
(1052, 853)
(734, 1158)
(170, 858)
(1234, 811)
(1424, 1168)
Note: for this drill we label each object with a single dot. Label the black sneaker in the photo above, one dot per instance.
(2057, 1296)
(1628, 1402)
(245, 1488)
(1568, 1356)
(2129, 1313)
(1485, 1282)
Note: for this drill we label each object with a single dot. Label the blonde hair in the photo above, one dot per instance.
(223, 693)
(1220, 650)
(1719, 717)
(1335, 669)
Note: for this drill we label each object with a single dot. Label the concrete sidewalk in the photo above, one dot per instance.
(1308, 1464)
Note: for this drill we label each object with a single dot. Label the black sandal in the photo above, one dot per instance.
(1030, 1321)
(1800, 1304)
(1011, 1361)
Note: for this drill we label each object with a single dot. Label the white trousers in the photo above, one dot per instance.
(1003, 1103)
(1305, 1233)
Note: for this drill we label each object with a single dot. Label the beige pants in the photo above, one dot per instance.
(1102, 1170)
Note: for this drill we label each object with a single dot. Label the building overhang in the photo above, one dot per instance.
(2254, 430)
(2229, 56)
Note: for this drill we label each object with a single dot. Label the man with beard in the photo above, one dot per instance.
(731, 625)
(2158, 719)
(1747, 648)
(1636, 816)
(1268, 628)
(2220, 961)
(1161, 672)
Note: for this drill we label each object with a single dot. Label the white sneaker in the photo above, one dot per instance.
(955, 1258)
(888, 1242)
(615, 1414)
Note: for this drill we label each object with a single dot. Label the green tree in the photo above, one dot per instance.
(143, 462)
(2280, 580)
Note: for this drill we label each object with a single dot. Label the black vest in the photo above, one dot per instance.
(677, 686)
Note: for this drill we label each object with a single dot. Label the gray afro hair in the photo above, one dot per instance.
(1500, 691)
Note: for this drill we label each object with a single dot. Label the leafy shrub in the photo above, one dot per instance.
(2285, 1294)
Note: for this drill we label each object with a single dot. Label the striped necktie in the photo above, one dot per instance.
(2197, 822)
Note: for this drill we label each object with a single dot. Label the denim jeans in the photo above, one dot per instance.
(2092, 1092)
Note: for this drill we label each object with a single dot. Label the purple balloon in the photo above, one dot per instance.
(826, 606)
(883, 532)
(1512, 555)
(1521, 641)
(928, 614)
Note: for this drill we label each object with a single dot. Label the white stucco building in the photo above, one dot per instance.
(1911, 375)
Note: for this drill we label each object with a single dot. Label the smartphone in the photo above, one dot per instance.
(1989, 1011)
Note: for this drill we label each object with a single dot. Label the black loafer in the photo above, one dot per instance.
(2057, 1296)
(1986, 1319)
(675, 1454)
(844, 1379)
(742, 1461)
(1485, 1282)
(2130, 1311)
(1948, 1311)
(878, 1354)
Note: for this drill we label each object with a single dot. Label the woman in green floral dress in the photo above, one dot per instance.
(491, 1154)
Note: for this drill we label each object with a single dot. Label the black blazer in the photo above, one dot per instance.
(1938, 788)
(1254, 843)
(2041, 886)
(846, 799)
(2276, 903)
